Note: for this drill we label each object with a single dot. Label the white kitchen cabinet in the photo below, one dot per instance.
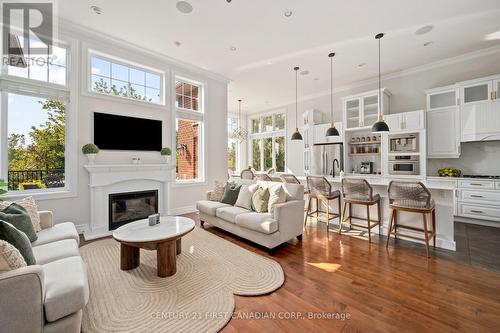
(442, 97)
(320, 133)
(478, 199)
(476, 92)
(480, 121)
(361, 110)
(309, 119)
(443, 133)
(406, 121)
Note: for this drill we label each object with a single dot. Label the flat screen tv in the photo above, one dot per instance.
(113, 132)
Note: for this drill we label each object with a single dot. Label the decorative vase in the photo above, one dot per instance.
(166, 159)
(91, 158)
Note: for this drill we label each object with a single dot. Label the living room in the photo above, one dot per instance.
(222, 166)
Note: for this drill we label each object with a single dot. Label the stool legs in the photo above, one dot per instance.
(426, 236)
(327, 216)
(342, 217)
(369, 224)
(308, 210)
(389, 230)
(434, 227)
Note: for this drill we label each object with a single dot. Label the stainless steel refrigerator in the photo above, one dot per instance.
(326, 158)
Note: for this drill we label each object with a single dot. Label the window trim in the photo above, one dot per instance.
(88, 91)
(238, 156)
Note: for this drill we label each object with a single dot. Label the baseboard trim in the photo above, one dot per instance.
(478, 222)
(182, 210)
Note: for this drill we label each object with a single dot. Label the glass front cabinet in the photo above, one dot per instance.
(361, 110)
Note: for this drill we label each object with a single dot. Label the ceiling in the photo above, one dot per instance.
(268, 44)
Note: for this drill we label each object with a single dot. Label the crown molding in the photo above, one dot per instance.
(69, 27)
(405, 72)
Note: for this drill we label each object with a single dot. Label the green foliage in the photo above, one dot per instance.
(90, 148)
(127, 90)
(36, 184)
(231, 156)
(2, 186)
(165, 151)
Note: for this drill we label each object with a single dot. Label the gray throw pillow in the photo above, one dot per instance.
(18, 216)
(231, 192)
(19, 240)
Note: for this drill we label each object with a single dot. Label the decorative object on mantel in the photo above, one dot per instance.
(90, 150)
(165, 153)
(239, 133)
(380, 126)
(296, 135)
(136, 160)
(332, 131)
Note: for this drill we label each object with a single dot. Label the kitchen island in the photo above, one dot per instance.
(442, 191)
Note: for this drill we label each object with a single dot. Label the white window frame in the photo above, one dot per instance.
(91, 52)
(238, 144)
(46, 90)
(186, 114)
(264, 135)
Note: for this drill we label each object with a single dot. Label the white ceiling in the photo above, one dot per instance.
(268, 45)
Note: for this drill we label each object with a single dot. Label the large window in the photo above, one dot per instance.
(113, 78)
(232, 145)
(267, 144)
(189, 132)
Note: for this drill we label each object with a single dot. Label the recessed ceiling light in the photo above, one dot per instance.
(304, 72)
(428, 43)
(288, 13)
(362, 64)
(184, 7)
(232, 48)
(177, 43)
(96, 10)
(423, 30)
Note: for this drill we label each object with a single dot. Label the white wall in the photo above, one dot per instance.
(182, 198)
(407, 94)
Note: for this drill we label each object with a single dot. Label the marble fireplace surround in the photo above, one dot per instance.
(106, 179)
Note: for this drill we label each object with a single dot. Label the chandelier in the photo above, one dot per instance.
(239, 133)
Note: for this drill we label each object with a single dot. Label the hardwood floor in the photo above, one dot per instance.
(381, 290)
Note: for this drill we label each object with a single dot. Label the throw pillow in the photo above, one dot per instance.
(245, 196)
(19, 218)
(231, 191)
(260, 200)
(29, 204)
(16, 237)
(10, 257)
(277, 195)
(217, 192)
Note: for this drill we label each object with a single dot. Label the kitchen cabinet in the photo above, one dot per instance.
(310, 118)
(478, 199)
(406, 121)
(320, 133)
(476, 92)
(480, 121)
(361, 110)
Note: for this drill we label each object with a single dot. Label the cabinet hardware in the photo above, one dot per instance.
(476, 196)
(476, 211)
(476, 184)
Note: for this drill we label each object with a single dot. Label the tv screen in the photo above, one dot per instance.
(126, 133)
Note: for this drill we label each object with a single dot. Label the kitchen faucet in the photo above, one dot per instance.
(333, 166)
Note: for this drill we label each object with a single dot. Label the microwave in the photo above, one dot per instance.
(404, 165)
(403, 143)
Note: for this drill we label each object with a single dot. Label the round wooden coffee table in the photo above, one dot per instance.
(164, 237)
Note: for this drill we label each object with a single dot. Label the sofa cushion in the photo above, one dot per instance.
(277, 195)
(59, 231)
(260, 200)
(258, 222)
(245, 196)
(18, 239)
(31, 207)
(209, 207)
(229, 213)
(66, 287)
(231, 191)
(218, 191)
(10, 257)
(49, 252)
(18, 216)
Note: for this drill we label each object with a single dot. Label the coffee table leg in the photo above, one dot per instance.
(166, 259)
(129, 257)
(178, 245)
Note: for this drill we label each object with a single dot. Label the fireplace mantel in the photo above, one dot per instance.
(106, 179)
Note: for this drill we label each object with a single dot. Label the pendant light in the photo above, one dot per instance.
(332, 131)
(239, 133)
(380, 126)
(296, 135)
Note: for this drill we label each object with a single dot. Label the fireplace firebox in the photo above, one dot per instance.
(131, 206)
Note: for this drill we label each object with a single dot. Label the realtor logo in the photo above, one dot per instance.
(28, 30)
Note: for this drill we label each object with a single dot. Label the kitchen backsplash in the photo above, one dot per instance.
(476, 158)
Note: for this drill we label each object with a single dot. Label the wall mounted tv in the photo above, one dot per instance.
(114, 132)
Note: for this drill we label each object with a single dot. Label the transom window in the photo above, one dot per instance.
(187, 96)
(267, 142)
(110, 77)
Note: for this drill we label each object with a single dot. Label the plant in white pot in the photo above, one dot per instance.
(165, 153)
(90, 150)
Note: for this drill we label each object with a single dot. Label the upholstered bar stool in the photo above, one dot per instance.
(359, 192)
(321, 190)
(411, 197)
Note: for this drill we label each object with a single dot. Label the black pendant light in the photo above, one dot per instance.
(380, 126)
(296, 135)
(332, 131)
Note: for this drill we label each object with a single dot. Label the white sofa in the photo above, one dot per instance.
(266, 229)
(49, 296)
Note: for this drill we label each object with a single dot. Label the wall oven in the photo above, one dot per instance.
(403, 143)
(404, 165)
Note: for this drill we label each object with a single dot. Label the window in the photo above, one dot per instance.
(189, 132)
(268, 142)
(117, 79)
(232, 145)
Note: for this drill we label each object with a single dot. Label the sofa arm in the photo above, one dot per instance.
(290, 217)
(208, 194)
(46, 219)
(22, 295)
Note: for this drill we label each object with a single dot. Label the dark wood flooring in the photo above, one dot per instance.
(349, 285)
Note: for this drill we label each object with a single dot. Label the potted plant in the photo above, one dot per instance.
(166, 152)
(90, 150)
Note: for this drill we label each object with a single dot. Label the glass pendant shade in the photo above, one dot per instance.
(296, 135)
(240, 134)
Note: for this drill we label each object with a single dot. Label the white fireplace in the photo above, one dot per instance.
(111, 179)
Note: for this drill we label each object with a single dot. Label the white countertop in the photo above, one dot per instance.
(140, 231)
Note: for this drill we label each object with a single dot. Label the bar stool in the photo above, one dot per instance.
(411, 197)
(321, 190)
(359, 192)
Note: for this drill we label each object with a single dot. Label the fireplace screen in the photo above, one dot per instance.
(133, 206)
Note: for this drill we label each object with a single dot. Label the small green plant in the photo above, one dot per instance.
(90, 148)
(2, 185)
(166, 151)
